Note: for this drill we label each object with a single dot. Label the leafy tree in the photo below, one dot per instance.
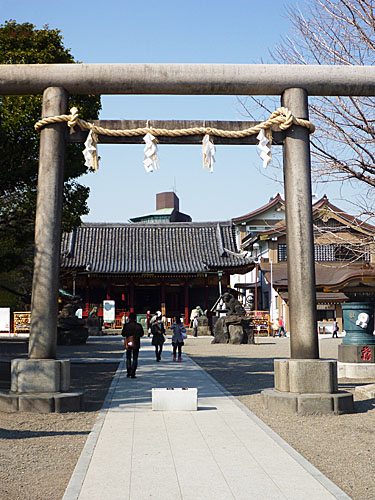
(19, 150)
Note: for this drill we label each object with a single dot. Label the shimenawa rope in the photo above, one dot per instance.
(281, 117)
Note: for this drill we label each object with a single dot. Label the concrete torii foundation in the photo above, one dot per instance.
(303, 384)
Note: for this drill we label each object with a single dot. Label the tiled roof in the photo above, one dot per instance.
(322, 297)
(325, 203)
(317, 208)
(153, 248)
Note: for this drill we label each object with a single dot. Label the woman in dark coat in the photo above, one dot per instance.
(158, 339)
(135, 330)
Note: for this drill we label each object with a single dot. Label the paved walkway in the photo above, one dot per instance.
(220, 452)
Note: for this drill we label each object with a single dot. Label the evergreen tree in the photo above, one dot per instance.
(19, 150)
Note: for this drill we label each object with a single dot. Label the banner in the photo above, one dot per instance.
(108, 311)
(5, 319)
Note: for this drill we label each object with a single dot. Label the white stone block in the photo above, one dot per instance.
(175, 398)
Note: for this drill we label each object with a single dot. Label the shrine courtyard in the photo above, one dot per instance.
(39, 452)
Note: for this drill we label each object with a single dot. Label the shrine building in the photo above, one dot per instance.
(152, 263)
(344, 262)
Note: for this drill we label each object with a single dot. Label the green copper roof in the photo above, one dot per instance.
(163, 212)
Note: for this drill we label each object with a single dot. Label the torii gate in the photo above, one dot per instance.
(300, 375)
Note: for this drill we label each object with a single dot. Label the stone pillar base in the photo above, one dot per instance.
(40, 386)
(307, 387)
(356, 370)
(204, 330)
(356, 353)
(40, 375)
(308, 404)
(56, 402)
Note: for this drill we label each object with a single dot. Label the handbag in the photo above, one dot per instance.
(129, 342)
(183, 333)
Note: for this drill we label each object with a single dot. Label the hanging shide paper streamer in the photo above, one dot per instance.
(90, 153)
(150, 161)
(265, 151)
(209, 150)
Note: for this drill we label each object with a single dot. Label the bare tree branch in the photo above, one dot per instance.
(337, 32)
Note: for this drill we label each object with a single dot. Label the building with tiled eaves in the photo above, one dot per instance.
(344, 249)
(172, 267)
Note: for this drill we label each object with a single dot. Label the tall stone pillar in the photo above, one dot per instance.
(300, 240)
(304, 384)
(44, 302)
(41, 383)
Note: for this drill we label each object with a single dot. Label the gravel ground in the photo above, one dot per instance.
(38, 453)
(340, 446)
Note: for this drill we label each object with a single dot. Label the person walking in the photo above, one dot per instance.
(195, 326)
(148, 323)
(134, 330)
(158, 339)
(281, 327)
(192, 316)
(335, 329)
(154, 317)
(275, 327)
(178, 338)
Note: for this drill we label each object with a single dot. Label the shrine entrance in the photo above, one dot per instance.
(42, 372)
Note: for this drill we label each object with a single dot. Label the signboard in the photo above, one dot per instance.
(325, 326)
(108, 311)
(325, 307)
(22, 322)
(5, 319)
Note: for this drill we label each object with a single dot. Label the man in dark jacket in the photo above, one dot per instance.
(135, 330)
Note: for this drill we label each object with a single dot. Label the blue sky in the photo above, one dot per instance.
(211, 31)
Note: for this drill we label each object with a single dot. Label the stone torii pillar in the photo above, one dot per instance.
(44, 303)
(41, 382)
(300, 239)
(304, 384)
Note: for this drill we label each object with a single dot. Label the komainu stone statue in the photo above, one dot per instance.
(233, 307)
(70, 328)
(203, 328)
(93, 323)
(234, 328)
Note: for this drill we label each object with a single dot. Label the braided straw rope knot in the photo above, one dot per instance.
(282, 117)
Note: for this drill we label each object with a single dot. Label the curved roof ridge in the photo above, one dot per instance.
(155, 224)
(273, 201)
(324, 202)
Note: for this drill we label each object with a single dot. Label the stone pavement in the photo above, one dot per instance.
(221, 452)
